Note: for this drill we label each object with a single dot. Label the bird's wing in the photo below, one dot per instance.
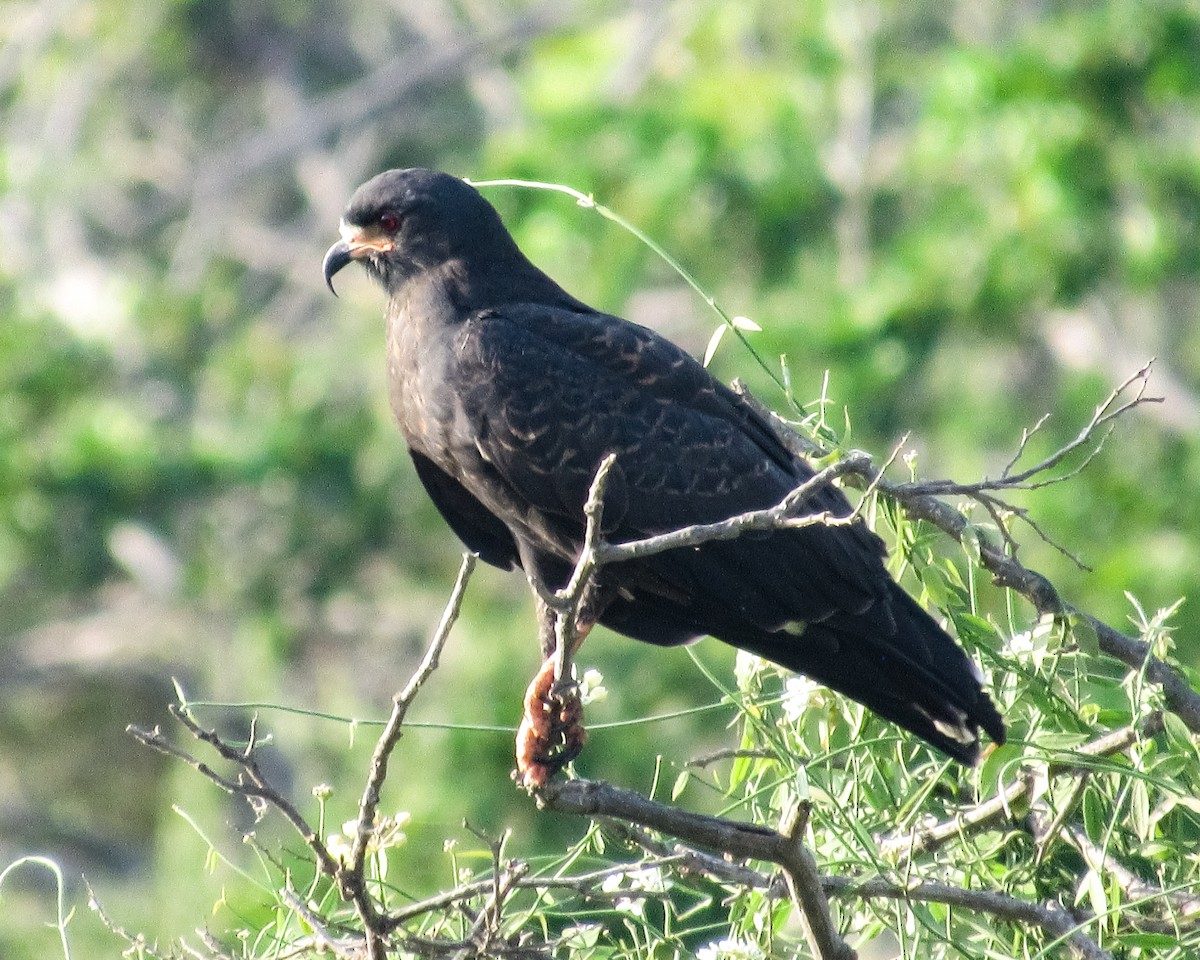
(478, 528)
(549, 392)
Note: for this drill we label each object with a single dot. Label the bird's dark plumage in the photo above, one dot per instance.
(510, 392)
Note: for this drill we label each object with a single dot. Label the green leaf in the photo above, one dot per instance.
(934, 582)
(1092, 888)
(999, 767)
(1178, 733)
(1083, 631)
(1093, 816)
(1149, 941)
(977, 629)
(742, 764)
(972, 543)
(681, 782)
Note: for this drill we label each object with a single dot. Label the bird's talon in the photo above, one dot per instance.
(551, 734)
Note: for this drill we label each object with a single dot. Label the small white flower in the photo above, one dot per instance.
(1021, 643)
(339, 847)
(1033, 644)
(591, 687)
(650, 879)
(798, 693)
(645, 879)
(730, 949)
(384, 833)
(747, 667)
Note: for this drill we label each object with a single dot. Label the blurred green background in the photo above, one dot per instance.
(970, 213)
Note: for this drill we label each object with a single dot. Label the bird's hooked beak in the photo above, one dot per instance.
(356, 243)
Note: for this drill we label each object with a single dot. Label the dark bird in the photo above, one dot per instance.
(510, 392)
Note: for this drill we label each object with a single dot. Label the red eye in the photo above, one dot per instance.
(389, 222)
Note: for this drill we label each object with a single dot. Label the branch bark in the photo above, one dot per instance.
(351, 878)
(920, 502)
(752, 842)
(998, 808)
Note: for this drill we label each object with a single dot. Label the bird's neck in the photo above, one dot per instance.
(459, 287)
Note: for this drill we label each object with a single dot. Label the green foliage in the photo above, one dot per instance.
(1062, 811)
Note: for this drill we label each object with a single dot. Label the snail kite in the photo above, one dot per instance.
(510, 392)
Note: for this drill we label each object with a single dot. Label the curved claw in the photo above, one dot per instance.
(551, 734)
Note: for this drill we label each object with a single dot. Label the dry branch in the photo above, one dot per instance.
(752, 842)
(920, 502)
(251, 784)
(998, 808)
(351, 878)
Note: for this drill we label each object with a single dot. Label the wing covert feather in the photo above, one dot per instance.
(556, 391)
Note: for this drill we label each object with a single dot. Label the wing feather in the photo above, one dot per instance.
(555, 391)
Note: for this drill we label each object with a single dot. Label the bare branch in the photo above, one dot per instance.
(351, 878)
(804, 884)
(1050, 917)
(251, 784)
(350, 947)
(1105, 413)
(596, 552)
(1187, 904)
(1026, 436)
(920, 502)
(751, 842)
(568, 601)
(584, 884)
(780, 516)
(728, 753)
(136, 941)
(993, 811)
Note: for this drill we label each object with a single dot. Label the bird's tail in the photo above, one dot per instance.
(918, 677)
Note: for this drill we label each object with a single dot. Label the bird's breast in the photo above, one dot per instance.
(423, 386)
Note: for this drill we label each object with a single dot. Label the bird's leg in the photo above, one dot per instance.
(547, 620)
(551, 733)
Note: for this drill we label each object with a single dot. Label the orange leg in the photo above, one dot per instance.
(551, 733)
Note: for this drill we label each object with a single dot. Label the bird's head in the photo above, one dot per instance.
(404, 222)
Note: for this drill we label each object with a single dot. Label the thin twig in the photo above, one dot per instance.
(251, 784)
(730, 753)
(752, 842)
(584, 884)
(998, 808)
(568, 602)
(780, 516)
(351, 878)
(1105, 413)
(322, 939)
